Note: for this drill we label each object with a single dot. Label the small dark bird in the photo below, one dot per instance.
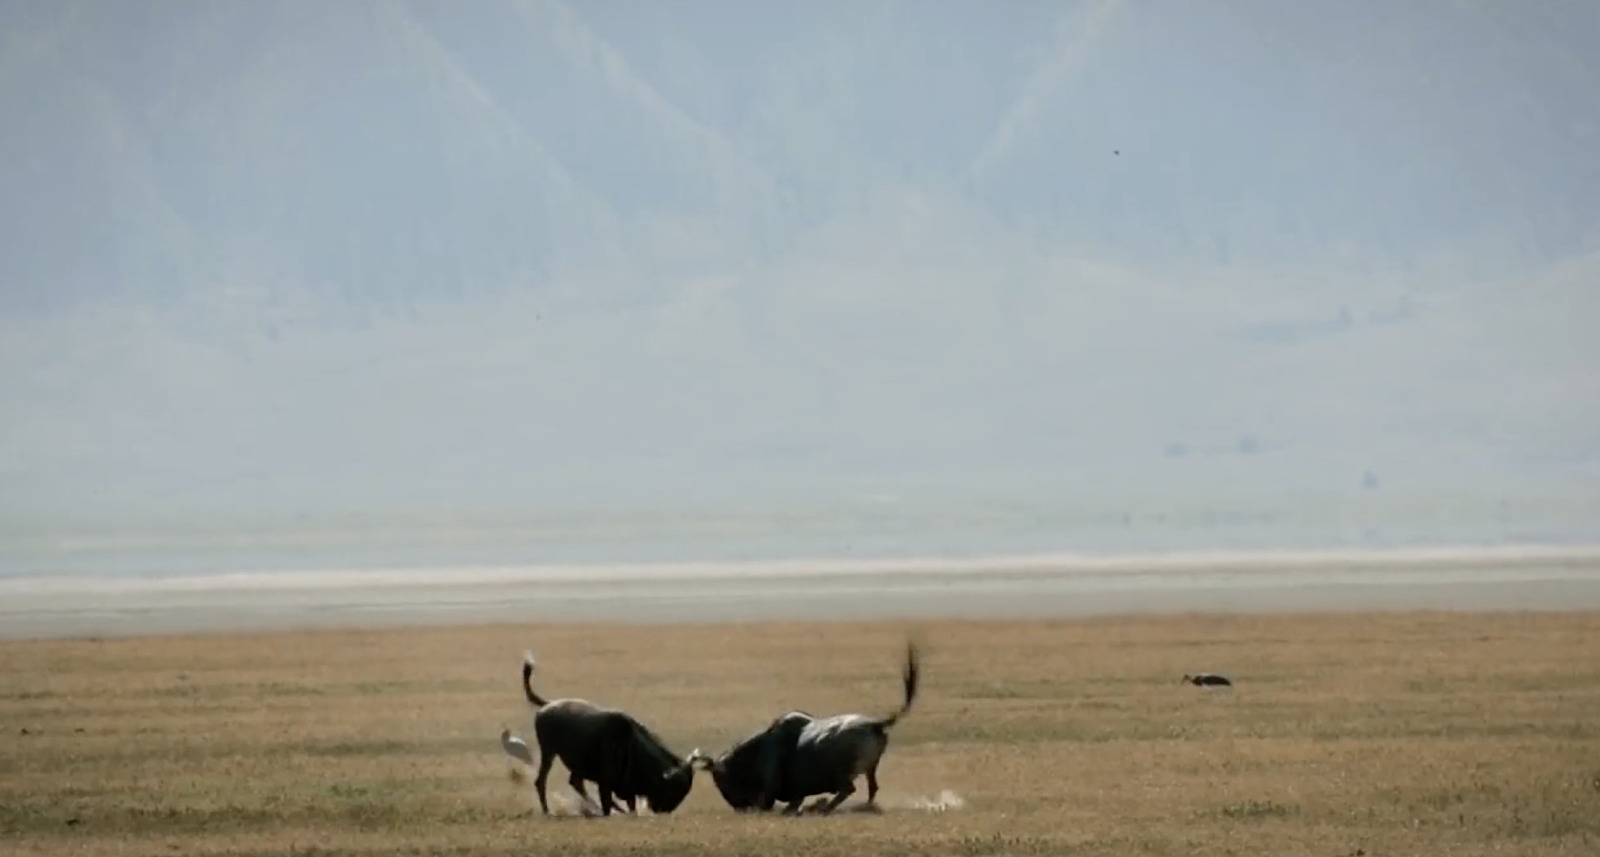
(1207, 680)
(1116, 151)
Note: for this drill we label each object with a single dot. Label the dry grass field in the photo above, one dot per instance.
(1382, 734)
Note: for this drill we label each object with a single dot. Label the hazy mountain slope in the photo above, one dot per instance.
(339, 148)
(467, 259)
(1364, 136)
(82, 209)
(386, 150)
(1104, 395)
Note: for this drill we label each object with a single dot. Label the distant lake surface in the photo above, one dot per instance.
(754, 536)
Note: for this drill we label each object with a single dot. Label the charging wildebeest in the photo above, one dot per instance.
(799, 755)
(610, 747)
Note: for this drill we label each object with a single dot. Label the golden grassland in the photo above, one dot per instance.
(1409, 733)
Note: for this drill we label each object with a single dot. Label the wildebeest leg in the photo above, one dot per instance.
(793, 807)
(577, 785)
(633, 805)
(606, 803)
(545, 761)
(872, 785)
(838, 798)
(774, 775)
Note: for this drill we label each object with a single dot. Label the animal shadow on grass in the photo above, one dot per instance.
(816, 808)
(571, 807)
(945, 801)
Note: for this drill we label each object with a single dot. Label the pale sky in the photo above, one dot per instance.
(415, 261)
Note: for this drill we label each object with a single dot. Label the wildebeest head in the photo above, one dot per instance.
(737, 775)
(666, 781)
(748, 769)
(740, 787)
(672, 789)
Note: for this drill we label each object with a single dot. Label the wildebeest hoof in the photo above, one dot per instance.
(818, 807)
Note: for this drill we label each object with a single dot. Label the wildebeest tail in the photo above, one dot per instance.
(910, 680)
(528, 665)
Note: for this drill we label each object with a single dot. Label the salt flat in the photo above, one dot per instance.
(1527, 578)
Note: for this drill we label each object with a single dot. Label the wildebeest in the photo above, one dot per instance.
(799, 755)
(610, 747)
(1207, 680)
